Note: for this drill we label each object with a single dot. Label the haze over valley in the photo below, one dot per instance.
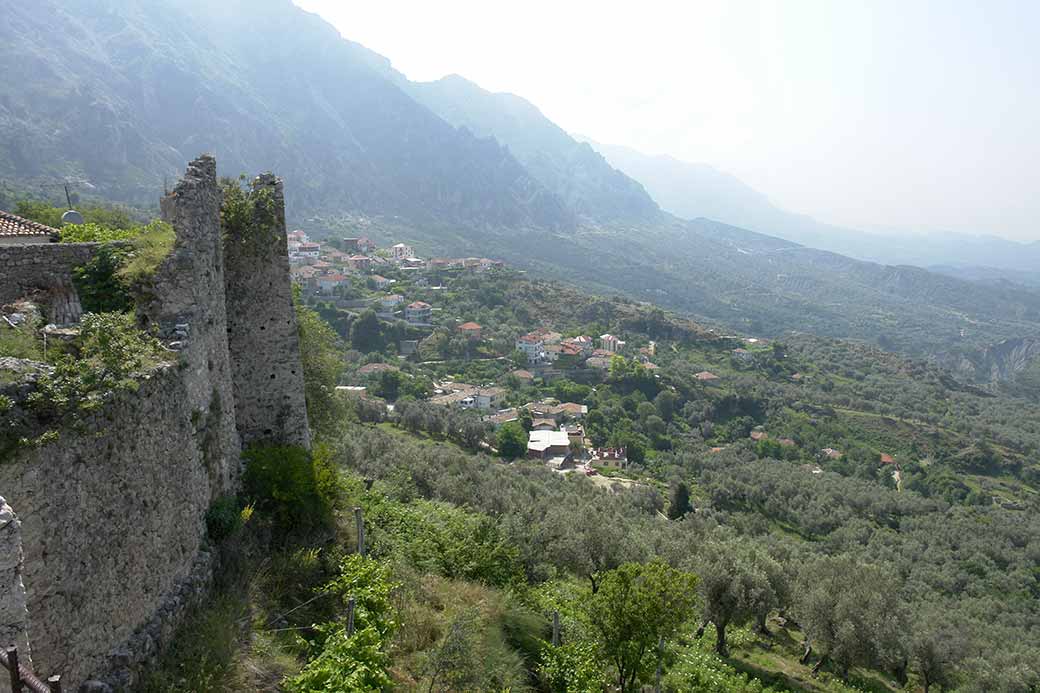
(333, 358)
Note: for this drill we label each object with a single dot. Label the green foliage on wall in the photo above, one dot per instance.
(98, 287)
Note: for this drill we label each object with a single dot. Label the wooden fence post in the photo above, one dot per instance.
(360, 521)
(556, 629)
(350, 616)
(12, 667)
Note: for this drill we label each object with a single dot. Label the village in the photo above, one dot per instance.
(420, 342)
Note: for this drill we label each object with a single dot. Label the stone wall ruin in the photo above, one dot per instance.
(112, 515)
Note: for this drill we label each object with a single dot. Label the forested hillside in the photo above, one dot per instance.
(906, 562)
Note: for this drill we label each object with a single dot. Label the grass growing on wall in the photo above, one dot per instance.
(149, 248)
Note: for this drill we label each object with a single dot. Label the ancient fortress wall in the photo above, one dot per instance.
(112, 520)
(262, 330)
(44, 270)
(112, 514)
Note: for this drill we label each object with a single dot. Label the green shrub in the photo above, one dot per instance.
(113, 352)
(439, 538)
(100, 291)
(347, 664)
(572, 668)
(225, 517)
(96, 233)
(292, 486)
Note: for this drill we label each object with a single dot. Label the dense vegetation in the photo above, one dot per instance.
(781, 569)
(77, 369)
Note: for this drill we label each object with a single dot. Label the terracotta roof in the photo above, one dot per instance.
(469, 326)
(14, 225)
(706, 375)
(419, 305)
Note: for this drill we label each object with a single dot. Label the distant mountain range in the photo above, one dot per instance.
(691, 190)
(119, 94)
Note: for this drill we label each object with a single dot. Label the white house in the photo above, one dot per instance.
(609, 342)
(309, 251)
(400, 251)
(533, 346)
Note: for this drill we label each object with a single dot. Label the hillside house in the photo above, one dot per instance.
(524, 377)
(552, 447)
(400, 251)
(609, 342)
(360, 262)
(583, 344)
(470, 330)
(469, 396)
(609, 456)
(743, 355)
(309, 251)
(532, 346)
(503, 416)
(552, 352)
(418, 313)
(571, 410)
(388, 304)
(357, 246)
(599, 362)
(380, 281)
(327, 283)
(297, 236)
(304, 274)
(407, 347)
(831, 453)
(706, 376)
(488, 398)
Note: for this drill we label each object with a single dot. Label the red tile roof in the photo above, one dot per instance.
(14, 225)
(467, 326)
(419, 305)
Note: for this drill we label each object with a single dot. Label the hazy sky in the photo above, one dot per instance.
(917, 114)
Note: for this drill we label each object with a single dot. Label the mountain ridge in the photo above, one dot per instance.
(691, 190)
(269, 86)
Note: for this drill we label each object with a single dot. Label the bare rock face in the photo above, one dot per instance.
(1000, 362)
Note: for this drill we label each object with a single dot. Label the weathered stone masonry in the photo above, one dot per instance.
(113, 513)
(44, 270)
(265, 345)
